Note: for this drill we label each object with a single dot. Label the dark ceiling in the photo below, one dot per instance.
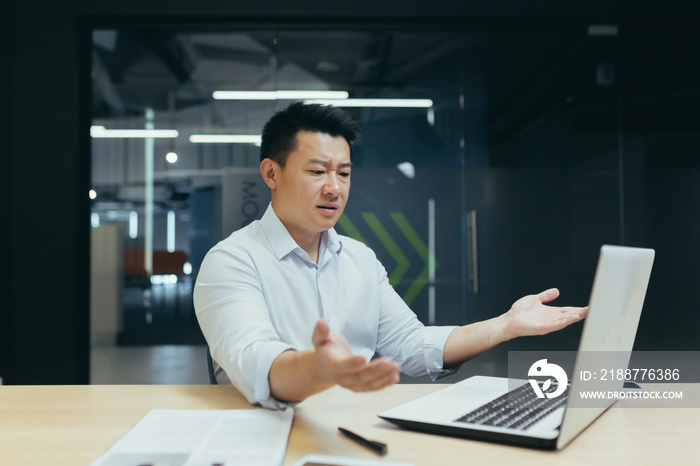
(528, 73)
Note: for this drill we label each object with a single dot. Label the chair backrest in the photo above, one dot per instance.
(210, 367)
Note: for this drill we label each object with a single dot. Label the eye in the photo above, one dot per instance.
(317, 172)
(345, 174)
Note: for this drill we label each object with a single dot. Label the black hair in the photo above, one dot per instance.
(279, 133)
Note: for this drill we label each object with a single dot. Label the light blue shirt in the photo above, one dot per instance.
(259, 294)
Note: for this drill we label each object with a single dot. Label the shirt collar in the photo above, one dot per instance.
(331, 240)
(282, 242)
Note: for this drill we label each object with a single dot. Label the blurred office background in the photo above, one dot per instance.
(527, 136)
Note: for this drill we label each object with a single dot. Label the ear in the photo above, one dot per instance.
(269, 169)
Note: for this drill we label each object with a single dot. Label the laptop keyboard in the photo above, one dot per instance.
(518, 409)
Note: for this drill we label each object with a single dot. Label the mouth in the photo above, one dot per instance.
(328, 209)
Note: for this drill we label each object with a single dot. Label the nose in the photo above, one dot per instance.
(332, 186)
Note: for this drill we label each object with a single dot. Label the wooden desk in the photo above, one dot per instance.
(72, 425)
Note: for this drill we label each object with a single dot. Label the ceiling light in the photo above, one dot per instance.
(102, 132)
(93, 194)
(171, 157)
(431, 116)
(279, 95)
(327, 66)
(244, 95)
(226, 138)
(407, 169)
(609, 30)
(385, 103)
(170, 231)
(133, 225)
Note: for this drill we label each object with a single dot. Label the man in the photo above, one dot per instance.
(290, 308)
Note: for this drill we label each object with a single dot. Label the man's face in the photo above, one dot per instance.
(310, 192)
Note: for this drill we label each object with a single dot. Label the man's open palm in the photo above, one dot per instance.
(335, 359)
(530, 316)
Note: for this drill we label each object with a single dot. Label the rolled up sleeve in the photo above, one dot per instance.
(234, 318)
(433, 351)
(404, 339)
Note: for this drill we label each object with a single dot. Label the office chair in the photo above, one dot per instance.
(210, 367)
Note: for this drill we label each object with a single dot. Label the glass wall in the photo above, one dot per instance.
(491, 163)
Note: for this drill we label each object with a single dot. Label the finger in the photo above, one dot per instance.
(575, 309)
(580, 312)
(383, 380)
(389, 378)
(321, 333)
(349, 366)
(366, 371)
(382, 366)
(375, 370)
(362, 372)
(564, 319)
(371, 384)
(378, 383)
(548, 295)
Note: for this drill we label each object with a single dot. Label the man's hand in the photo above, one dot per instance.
(336, 362)
(530, 316)
(296, 375)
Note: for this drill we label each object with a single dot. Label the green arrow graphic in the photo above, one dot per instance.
(402, 262)
(422, 251)
(350, 228)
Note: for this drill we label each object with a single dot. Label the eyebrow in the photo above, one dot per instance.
(325, 163)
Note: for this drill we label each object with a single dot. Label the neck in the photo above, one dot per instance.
(312, 246)
(309, 242)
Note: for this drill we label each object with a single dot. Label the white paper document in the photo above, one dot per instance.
(169, 437)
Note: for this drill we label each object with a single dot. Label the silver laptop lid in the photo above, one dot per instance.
(616, 303)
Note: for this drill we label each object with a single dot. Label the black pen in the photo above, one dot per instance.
(373, 445)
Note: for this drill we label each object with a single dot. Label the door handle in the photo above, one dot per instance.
(472, 248)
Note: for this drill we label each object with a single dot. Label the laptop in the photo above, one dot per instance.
(490, 408)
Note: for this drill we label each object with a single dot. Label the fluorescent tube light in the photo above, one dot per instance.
(226, 138)
(133, 225)
(170, 231)
(279, 95)
(332, 95)
(244, 95)
(101, 132)
(384, 103)
(609, 30)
